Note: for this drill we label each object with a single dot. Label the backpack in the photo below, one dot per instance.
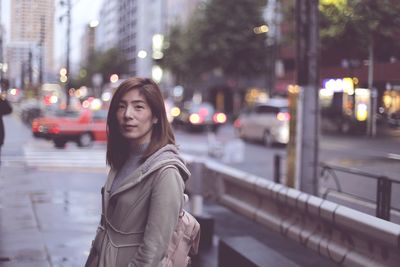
(184, 241)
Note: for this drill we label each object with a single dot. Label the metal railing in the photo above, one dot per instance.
(383, 187)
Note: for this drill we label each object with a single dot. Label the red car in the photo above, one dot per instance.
(82, 127)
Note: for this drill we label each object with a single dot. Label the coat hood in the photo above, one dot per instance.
(166, 156)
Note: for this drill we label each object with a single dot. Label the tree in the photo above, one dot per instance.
(174, 56)
(363, 27)
(106, 63)
(360, 27)
(220, 37)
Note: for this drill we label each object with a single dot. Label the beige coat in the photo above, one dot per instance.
(141, 215)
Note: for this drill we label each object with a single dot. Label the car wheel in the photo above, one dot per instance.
(59, 143)
(85, 140)
(267, 139)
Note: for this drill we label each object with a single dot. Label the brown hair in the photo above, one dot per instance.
(117, 145)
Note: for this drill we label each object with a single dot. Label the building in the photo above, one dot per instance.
(107, 30)
(137, 29)
(32, 27)
(139, 22)
(180, 11)
(24, 63)
(88, 41)
(2, 35)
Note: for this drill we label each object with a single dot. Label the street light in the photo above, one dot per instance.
(67, 3)
(93, 23)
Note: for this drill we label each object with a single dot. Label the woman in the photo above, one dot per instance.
(143, 194)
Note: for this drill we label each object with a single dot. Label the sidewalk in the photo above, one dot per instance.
(47, 220)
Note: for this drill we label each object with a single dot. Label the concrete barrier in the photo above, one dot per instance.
(346, 236)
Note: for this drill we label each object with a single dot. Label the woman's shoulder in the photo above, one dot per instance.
(170, 173)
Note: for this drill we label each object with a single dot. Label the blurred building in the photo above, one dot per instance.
(137, 29)
(88, 41)
(107, 31)
(24, 63)
(341, 63)
(180, 11)
(31, 38)
(2, 37)
(139, 22)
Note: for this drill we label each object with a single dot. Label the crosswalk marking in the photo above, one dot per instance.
(71, 157)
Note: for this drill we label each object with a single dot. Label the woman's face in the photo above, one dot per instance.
(135, 118)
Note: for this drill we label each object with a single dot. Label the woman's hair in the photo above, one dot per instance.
(117, 145)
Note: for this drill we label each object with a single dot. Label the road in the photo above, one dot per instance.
(49, 216)
(380, 156)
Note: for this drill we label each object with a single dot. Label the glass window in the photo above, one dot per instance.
(100, 115)
(266, 110)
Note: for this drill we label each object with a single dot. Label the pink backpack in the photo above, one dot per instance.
(184, 242)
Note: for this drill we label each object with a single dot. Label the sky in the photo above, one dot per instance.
(83, 11)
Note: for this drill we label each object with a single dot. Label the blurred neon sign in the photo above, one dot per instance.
(339, 85)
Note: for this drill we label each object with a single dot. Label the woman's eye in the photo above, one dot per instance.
(121, 106)
(139, 107)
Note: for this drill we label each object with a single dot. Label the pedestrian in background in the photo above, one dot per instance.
(5, 108)
(143, 195)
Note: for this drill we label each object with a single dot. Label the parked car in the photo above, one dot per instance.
(394, 119)
(200, 116)
(82, 127)
(267, 122)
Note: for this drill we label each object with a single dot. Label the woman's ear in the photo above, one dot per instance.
(155, 120)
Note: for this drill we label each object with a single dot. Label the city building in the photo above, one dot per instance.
(88, 41)
(107, 30)
(24, 63)
(139, 21)
(137, 29)
(31, 35)
(180, 11)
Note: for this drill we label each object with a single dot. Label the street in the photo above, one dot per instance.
(379, 156)
(63, 186)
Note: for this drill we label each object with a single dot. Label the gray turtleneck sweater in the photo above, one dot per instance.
(129, 166)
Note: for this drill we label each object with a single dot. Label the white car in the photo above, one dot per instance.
(267, 122)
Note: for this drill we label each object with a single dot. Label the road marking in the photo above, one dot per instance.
(35, 155)
(394, 156)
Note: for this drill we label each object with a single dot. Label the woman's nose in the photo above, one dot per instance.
(128, 113)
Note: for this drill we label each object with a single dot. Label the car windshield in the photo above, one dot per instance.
(265, 109)
(100, 115)
(202, 108)
(65, 113)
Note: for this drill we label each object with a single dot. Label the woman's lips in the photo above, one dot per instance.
(128, 127)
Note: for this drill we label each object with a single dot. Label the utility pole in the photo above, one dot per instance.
(67, 3)
(67, 84)
(30, 69)
(371, 122)
(271, 19)
(41, 54)
(308, 79)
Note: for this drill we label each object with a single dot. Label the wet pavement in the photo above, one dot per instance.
(48, 215)
(48, 218)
